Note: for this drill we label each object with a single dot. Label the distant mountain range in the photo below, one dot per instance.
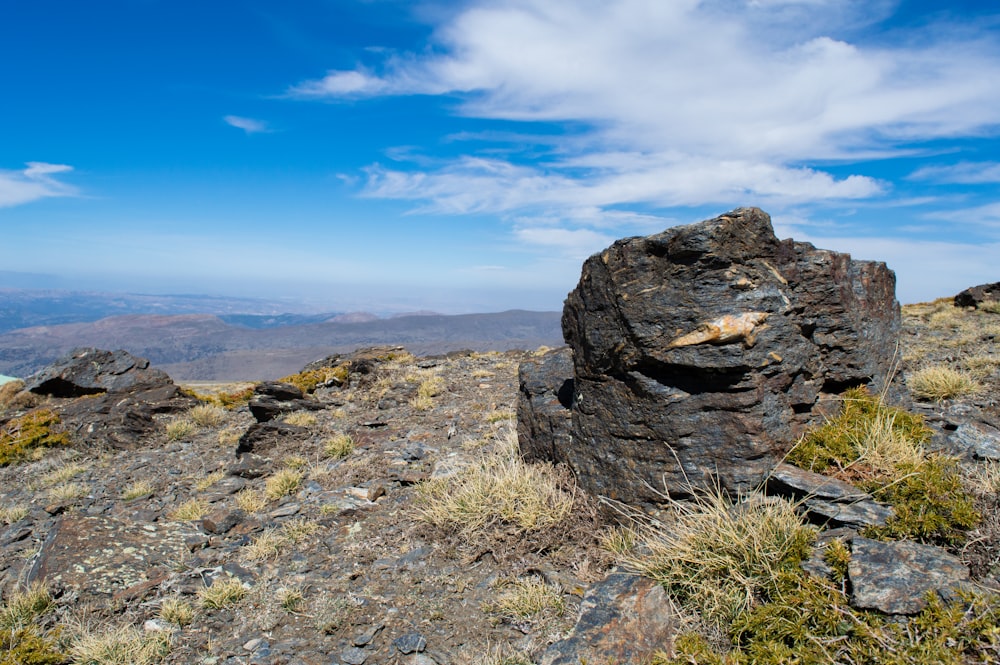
(226, 344)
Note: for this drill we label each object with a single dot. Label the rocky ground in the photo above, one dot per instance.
(344, 564)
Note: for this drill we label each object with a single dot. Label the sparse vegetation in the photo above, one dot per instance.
(176, 611)
(990, 306)
(230, 436)
(309, 381)
(136, 489)
(65, 492)
(223, 593)
(204, 483)
(24, 606)
(61, 474)
(880, 448)
(250, 500)
(124, 645)
(339, 446)
(192, 509)
(14, 513)
(207, 415)
(502, 491)
(180, 429)
(290, 599)
(282, 483)
(939, 382)
(26, 436)
(529, 598)
(300, 419)
(14, 397)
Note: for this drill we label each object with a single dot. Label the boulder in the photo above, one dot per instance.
(700, 353)
(545, 396)
(123, 420)
(273, 399)
(976, 295)
(88, 371)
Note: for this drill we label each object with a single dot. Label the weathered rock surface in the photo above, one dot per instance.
(273, 399)
(545, 397)
(894, 578)
(623, 619)
(826, 500)
(701, 352)
(976, 295)
(87, 371)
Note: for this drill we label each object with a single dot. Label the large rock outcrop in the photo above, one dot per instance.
(700, 353)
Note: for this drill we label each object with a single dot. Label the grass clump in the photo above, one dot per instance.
(300, 419)
(502, 491)
(250, 501)
(223, 593)
(26, 436)
(61, 474)
(176, 611)
(14, 397)
(67, 491)
(990, 307)
(880, 449)
(939, 382)
(210, 479)
(282, 483)
(180, 429)
(721, 558)
(339, 446)
(310, 380)
(137, 489)
(29, 646)
(192, 509)
(527, 599)
(23, 606)
(14, 513)
(207, 415)
(125, 645)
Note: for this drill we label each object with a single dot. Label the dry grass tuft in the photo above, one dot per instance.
(282, 483)
(137, 489)
(207, 415)
(125, 645)
(940, 382)
(223, 593)
(23, 606)
(528, 598)
(176, 611)
(501, 491)
(339, 446)
(230, 436)
(192, 509)
(721, 558)
(204, 483)
(250, 500)
(67, 491)
(268, 545)
(180, 429)
(300, 419)
(14, 513)
(61, 474)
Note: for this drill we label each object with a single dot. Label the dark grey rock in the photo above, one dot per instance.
(854, 514)
(894, 578)
(410, 643)
(700, 353)
(623, 619)
(354, 656)
(221, 521)
(976, 295)
(88, 371)
(545, 400)
(263, 437)
(368, 635)
(793, 482)
(976, 439)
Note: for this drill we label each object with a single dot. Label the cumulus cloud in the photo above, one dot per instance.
(248, 125)
(33, 183)
(683, 103)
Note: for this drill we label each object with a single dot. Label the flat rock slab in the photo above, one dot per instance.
(977, 439)
(623, 619)
(789, 480)
(87, 371)
(101, 557)
(894, 578)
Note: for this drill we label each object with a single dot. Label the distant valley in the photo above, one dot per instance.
(222, 343)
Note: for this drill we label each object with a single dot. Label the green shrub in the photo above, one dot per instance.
(308, 381)
(22, 436)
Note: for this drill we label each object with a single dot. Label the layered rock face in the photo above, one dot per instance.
(700, 353)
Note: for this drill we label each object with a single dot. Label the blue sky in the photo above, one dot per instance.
(467, 156)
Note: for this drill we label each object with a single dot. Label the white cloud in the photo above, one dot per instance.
(573, 243)
(33, 183)
(248, 125)
(964, 173)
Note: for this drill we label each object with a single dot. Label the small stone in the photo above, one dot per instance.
(253, 645)
(410, 643)
(286, 510)
(367, 636)
(154, 626)
(375, 491)
(222, 520)
(354, 656)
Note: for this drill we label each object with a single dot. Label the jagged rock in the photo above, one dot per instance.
(123, 420)
(263, 437)
(827, 500)
(976, 439)
(87, 371)
(700, 353)
(273, 399)
(894, 578)
(623, 619)
(976, 295)
(545, 397)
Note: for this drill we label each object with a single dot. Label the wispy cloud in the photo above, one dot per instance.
(248, 125)
(33, 183)
(682, 103)
(964, 173)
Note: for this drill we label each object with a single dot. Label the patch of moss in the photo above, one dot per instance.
(27, 646)
(34, 430)
(309, 380)
(809, 622)
(931, 503)
(837, 444)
